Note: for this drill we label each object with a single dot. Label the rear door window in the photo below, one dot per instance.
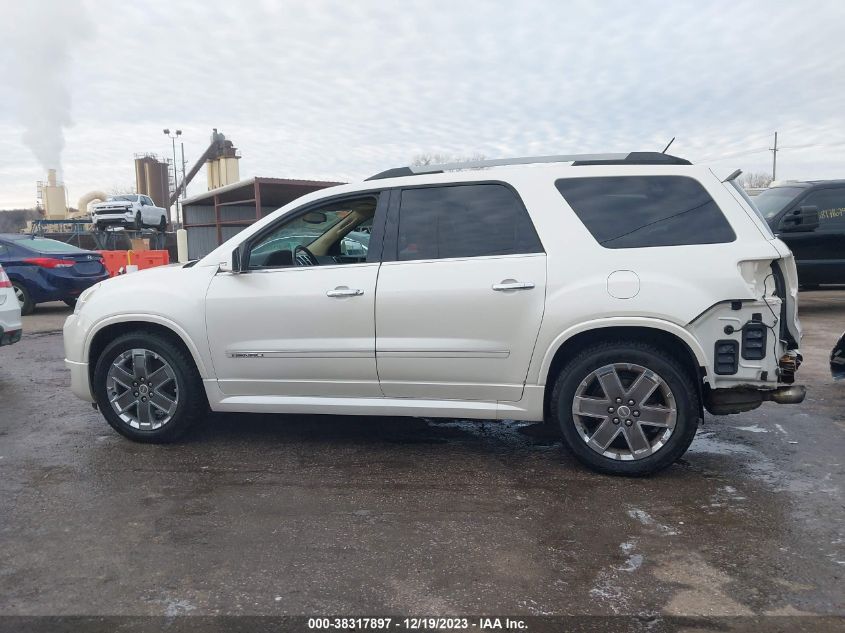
(643, 211)
(474, 220)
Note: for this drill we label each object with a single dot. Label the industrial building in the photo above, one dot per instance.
(210, 218)
(213, 217)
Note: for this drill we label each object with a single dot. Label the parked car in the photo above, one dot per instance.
(129, 210)
(42, 269)
(616, 296)
(837, 359)
(10, 312)
(810, 218)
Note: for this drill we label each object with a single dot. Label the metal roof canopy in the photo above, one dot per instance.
(273, 191)
(214, 216)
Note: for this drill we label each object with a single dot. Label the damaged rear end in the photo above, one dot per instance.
(755, 350)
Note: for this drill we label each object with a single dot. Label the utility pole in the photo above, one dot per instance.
(184, 186)
(173, 137)
(774, 151)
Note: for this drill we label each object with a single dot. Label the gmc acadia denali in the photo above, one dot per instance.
(614, 295)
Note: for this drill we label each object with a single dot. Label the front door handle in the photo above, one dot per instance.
(513, 285)
(343, 291)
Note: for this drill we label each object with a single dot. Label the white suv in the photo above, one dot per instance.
(616, 296)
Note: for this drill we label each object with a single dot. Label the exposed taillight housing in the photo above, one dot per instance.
(4, 279)
(49, 262)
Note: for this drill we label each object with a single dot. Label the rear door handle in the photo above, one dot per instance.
(513, 285)
(343, 291)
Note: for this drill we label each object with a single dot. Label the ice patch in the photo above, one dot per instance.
(754, 428)
(645, 518)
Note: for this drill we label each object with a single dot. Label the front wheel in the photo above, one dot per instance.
(162, 225)
(139, 221)
(626, 408)
(148, 388)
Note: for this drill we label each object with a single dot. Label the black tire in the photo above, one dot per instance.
(70, 302)
(27, 306)
(677, 377)
(99, 227)
(139, 222)
(162, 226)
(191, 404)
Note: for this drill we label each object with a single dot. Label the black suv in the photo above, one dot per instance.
(810, 218)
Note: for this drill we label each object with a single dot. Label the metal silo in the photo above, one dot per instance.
(140, 174)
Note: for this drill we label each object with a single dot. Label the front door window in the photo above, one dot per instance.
(335, 234)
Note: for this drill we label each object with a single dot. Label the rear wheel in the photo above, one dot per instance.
(626, 408)
(148, 388)
(162, 225)
(24, 298)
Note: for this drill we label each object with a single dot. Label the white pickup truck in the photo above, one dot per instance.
(130, 210)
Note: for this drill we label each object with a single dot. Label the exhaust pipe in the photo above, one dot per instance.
(793, 394)
(728, 401)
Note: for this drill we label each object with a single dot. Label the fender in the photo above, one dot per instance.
(149, 318)
(642, 322)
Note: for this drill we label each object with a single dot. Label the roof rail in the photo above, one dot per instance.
(631, 158)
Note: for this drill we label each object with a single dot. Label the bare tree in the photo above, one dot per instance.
(421, 160)
(115, 190)
(755, 180)
(13, 220)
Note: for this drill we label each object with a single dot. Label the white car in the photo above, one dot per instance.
(10, 312)
(615, 296)
(129, 210)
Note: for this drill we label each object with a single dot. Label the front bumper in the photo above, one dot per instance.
(113, 218)
(80, 384)
(73, 335)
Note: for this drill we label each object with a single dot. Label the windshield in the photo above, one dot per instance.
(775, 199)
(125, 198)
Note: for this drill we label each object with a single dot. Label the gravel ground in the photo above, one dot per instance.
(274, 515)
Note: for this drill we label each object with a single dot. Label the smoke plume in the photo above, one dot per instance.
(41, 36)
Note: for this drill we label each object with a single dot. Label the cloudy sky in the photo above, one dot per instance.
(340, 90)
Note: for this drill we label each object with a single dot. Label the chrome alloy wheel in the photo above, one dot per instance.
(19, 295)
(624, 411)
(142, 389)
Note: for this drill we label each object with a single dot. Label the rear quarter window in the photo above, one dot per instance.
(643, 211)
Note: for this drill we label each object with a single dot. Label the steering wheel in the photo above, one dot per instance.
(303, 257)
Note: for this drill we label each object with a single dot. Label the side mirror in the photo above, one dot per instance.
(801, 220)
(232, 266)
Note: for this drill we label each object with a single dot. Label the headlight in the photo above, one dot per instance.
(81, 299)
